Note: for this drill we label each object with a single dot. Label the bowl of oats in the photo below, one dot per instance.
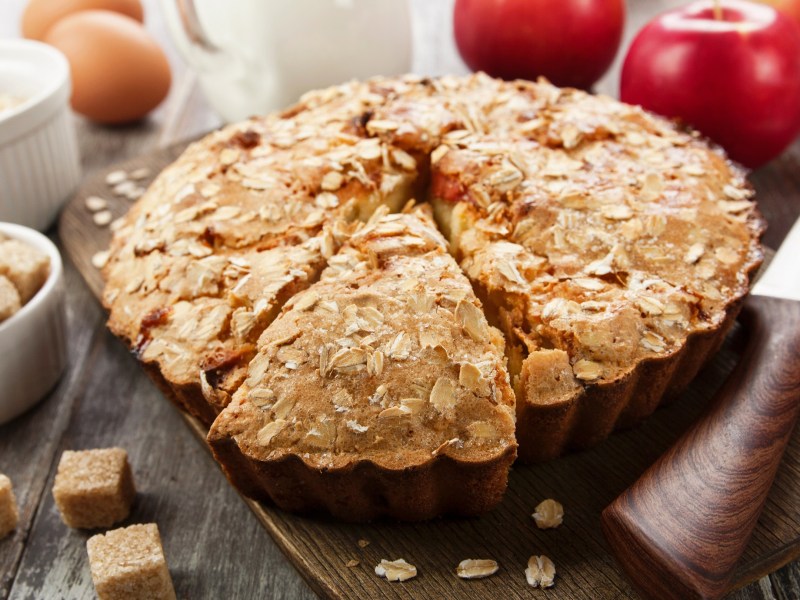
(32, 318)
(39, 160)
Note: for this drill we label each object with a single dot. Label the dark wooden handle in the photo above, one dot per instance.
(679, 531)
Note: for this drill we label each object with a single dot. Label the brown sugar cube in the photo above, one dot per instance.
(9, 299)
(8, 507)
(26, 267)
(129, 564)
(94, 488)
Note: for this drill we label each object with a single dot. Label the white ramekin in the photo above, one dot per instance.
(33, 348)
(39, 161)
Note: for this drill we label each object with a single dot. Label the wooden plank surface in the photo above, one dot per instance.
(104, 398)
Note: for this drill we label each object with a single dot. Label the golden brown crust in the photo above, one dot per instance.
(610, 248)
(364, 491)
(592, 413)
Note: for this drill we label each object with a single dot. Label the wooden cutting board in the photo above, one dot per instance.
(584, 483)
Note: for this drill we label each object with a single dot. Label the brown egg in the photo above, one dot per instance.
(119, 73)
(40, 15)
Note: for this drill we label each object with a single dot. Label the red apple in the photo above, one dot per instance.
(571, 42)
(734, 75)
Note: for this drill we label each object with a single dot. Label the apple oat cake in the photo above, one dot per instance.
(611, 248)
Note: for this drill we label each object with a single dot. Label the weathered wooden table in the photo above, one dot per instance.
(216, 548)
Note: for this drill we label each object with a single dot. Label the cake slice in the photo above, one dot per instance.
(379, 391)
(613, 260)
(196, 330)
(242, 221)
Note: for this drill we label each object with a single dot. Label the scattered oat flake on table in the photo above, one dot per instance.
(95, 203)
(471, 568)
(124, 188)
(100, 259)
(352, 563)
(549, 514)
(396, 570)
(140, 173)
(363, 543)
(541, 571)
(135, 193)
(102, 218)
(116, 177)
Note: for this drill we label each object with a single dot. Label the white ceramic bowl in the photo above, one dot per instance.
(39, 161)
(33, 341)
